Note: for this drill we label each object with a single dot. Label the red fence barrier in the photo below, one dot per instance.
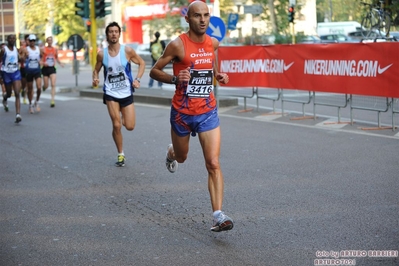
(370, 69)
(67, 55)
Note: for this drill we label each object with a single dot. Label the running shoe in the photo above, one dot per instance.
(52, 104)
(222, 223)
(171, 165)
(31, 109)
(121, 161)
(18, 118)
(5, 105)
(37, 107)
(44, 89)
(24, 101)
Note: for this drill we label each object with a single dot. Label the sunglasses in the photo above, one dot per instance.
(32, 40)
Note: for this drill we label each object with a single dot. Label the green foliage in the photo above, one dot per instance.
(283, 39)
(39, 13)
(347, 10)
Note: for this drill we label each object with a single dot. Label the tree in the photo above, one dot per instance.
(60, 12)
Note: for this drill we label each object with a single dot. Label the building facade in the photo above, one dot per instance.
(7, 23)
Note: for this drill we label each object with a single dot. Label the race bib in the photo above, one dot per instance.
(50, 61)
(200, 84)
(33, 64)
(117, 81)
(10, 68)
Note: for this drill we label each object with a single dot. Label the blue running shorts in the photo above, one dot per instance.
(9, 78)
(183, 124)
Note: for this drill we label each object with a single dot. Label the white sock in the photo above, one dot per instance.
(121, 154)
(216, 213)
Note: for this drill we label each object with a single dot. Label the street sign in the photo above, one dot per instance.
(216, 28)
(75, 42)
(232, 21)
(183, 10)
(253, 9)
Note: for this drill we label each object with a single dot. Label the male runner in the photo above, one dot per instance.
(10, 57)
(3, 87)
(33, 72)
(194, 107)
(23, 44)
(118, 84)
(49, 58)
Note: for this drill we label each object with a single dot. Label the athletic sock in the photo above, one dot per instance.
(216, 214)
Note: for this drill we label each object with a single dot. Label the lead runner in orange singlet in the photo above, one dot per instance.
(194, 108)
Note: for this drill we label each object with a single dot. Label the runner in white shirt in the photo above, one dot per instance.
(119, 84)
(33, 72)
(10, 57)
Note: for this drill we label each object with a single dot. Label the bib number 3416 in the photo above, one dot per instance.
(200, 84)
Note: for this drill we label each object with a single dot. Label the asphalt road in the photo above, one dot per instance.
(296, 191)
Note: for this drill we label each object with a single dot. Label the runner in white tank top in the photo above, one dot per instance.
(117, 74)
(119, 84)
(10, 57)
(33, 73)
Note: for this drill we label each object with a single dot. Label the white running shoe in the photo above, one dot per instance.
(222, 223)
(171, 165)
(37, 107)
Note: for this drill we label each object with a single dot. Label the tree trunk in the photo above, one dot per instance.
(273, 19)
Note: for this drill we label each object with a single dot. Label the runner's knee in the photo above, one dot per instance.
(212, 164)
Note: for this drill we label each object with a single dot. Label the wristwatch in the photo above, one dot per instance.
(174, 80)
(138, 79)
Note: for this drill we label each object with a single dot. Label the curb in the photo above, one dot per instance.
(148, 98)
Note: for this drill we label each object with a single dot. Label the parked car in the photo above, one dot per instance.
(337, 38)
(394, 34)
(361, 33)
(309, 39)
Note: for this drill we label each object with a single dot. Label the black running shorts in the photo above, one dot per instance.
(122, 102)
(47, 71)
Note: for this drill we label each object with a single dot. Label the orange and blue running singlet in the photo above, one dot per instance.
(196, 96)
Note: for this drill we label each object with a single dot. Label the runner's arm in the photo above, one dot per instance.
(22, 54)
(97, 68)
(132, 56)
(220, 77)
(57, 59)
(173, 52)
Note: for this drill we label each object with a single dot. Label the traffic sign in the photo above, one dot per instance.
(253, 9)
(183, 10)
(216, 28)
(232, 21)
(75, 42)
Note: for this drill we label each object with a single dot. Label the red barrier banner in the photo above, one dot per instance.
(370, 69)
